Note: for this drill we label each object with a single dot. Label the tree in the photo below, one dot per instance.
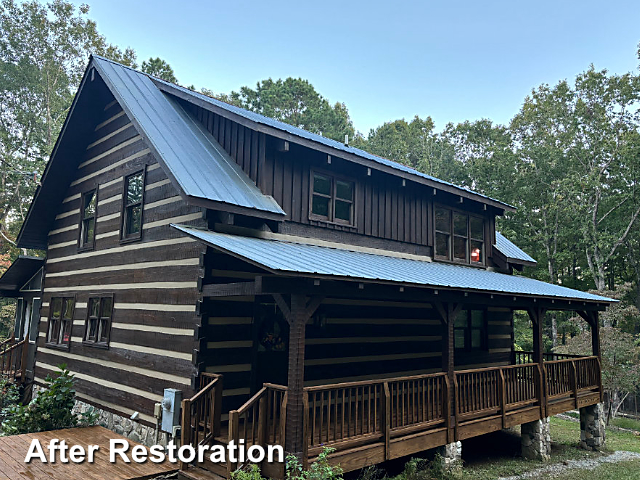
(159, 68)
(296, 102)
(44, 49)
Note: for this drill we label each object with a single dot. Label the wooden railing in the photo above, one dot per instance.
(567, 378)
(201, 413)
(522, 358)
(260, 421)
(13, 359)
(346, 415)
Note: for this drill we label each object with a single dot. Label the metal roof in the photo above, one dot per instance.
(18, 274)
(192, 156)
(294, 258)
(511, 250)
(299, 132)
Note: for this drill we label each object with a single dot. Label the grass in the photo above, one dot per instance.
(565, 436)
(626, 422)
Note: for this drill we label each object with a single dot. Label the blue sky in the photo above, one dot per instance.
(454, 61)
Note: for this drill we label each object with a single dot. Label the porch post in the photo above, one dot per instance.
(537, 317)
(448, 313)
(595, 334)
(295, 378)
(297, 314)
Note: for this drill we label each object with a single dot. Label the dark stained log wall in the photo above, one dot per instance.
(153, 281)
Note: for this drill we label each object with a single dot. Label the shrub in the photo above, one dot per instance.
(319, 470)
(51, 409)
(9, 396)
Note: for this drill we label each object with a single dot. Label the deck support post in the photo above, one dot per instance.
(448, 313)
(592, 427)
(297, 313)
(536, 439)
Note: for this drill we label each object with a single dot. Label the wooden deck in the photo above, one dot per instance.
(372, 421)
(13, 450)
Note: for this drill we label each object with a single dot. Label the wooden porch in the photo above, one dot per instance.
(368, 422)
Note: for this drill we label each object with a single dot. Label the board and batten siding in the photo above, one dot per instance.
(153, 281)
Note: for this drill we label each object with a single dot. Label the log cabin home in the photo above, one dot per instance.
(294, 289)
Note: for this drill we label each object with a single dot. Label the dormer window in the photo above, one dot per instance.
(88, 220)
(331, 199)
(459, 236)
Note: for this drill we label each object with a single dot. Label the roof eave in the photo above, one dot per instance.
(459, 191)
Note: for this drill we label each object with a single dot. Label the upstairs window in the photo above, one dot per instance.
(133, 200)
(470, 331)
(98, 324)
(88, 219)
(459, 236)
(60, 320)
(332, 199)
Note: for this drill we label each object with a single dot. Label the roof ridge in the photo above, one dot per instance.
(260, 118)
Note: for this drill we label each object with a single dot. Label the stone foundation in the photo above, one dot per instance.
(451, 454)
(536, 440)
(592, 427)
(124, 426)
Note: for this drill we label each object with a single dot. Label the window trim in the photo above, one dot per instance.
(137, 237)
(92, 245)
(48, 342)
(451, 258)
(484, 339)
(97, 343)
(332, 199)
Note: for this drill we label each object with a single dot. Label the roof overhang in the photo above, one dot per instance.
(319, 262)
(292, 134)
(18, 274)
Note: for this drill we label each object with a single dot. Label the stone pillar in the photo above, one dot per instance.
(451, 454)
(536, 440)
(592, 427)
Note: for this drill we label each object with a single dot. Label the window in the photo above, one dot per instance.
(459, 236)
(133, 199)
(98, 325)
(469, 330)
(88, 219)
(60, 320)
(331, 199)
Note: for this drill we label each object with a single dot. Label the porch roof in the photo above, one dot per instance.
(288, 258)
(19, 272)
(512, 252)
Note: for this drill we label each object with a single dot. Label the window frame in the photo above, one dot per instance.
(98, 343)
(64, 345)
(468, 332)
(330, 219)
(452, 236)
(81, 245)
(125, 183)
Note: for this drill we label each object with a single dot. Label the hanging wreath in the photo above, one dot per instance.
(272, 335)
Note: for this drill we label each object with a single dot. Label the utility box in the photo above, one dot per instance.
(171, 402)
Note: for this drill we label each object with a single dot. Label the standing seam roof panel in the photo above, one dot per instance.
(194, 158)
(287, 257)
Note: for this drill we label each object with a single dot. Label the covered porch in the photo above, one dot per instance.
(454, 393)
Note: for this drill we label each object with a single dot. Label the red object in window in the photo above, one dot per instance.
(475, 255)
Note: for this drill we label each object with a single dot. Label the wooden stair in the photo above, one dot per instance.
(197, 473)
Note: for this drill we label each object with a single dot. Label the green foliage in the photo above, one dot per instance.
(252, 474)
(9, 396)
(159, 68)
(44, 49)
(319, 470)
(51, 409)
(296, 102)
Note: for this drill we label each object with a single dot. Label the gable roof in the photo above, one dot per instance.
(512, 252)
(288, 258)
(201, 170)
(197, 163)
(19, 272)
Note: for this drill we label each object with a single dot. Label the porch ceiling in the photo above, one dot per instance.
(288, 258)
(19, 273)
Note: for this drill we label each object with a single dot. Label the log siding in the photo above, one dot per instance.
(154, 280)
